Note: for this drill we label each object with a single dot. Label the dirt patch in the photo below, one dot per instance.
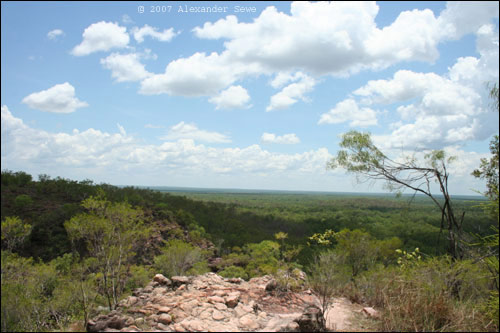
(344, 316)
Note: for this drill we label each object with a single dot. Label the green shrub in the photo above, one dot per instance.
(177, 258)
(138, 277)
(199, 268)
(263, 258)
(233, 272)
(14, 231)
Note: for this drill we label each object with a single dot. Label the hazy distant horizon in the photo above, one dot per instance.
(182, 189)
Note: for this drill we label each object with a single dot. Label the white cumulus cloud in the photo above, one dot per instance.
(288, 139)
(234, 97)
(190, 131)
(101, 36)
(348, 110)
(147, 30)
(125, 67)
(58, 99)
(54, 34)
(292, 93)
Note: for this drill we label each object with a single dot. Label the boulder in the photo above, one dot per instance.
(271, 285)
(232, 300)
(165, 319)
(179, 280)
(161, 279)
(248, 322)
(312, 320)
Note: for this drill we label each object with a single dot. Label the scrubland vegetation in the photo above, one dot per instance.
(71, 248)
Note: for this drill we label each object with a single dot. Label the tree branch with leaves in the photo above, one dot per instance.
(361, 157)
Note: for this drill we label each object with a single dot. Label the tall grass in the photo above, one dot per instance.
(435, 295)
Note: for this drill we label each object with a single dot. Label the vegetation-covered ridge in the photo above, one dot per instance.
(71, 249)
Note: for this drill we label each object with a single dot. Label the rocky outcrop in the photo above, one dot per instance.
(207, 303)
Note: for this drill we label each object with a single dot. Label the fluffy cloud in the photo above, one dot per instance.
(321, 38)
(126, 19)
(101, 36)
(164, 36)
(198, 75)
(292, 93)
(54, 34)
(125, 67)
(100, 155)
(339, 37)
(462, 17)
(23, 144)
(288, 139)
(191, 131)
(444, 112)
(59, 99)
(436, 110)
(234, 97)
(348, 110)
(91, 149)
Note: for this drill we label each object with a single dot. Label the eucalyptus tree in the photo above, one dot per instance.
(361, 157)
(110, 231)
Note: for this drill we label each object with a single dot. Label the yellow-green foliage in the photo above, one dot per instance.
(138, 277)
(263, 258)
(233, 272)
(177, 258)
(110, 232)
(39, 296)
(14, 231)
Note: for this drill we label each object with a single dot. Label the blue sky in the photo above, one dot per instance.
(256, 99)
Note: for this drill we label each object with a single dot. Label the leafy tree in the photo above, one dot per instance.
(22, 202)
(233, 272)
(363, 158)
(14, 231)
(323, 279)
(356, 249)
(177, 258)
(489, 170)
(110, 231)
(263, 258)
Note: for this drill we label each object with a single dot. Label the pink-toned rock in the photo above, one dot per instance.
(371, 312)
(220, 293)
(189, 306)
(160, 278)
(165, 318)
(178, 280)
(242, 310)
(164, 309)
(207, 314)
(215, 299)
(217, 315)
(248, 322)
(163, 327)
(178, 314)
(131, 300)
(178, 327)
(220, 306)
(232, 300)
(193, 325)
